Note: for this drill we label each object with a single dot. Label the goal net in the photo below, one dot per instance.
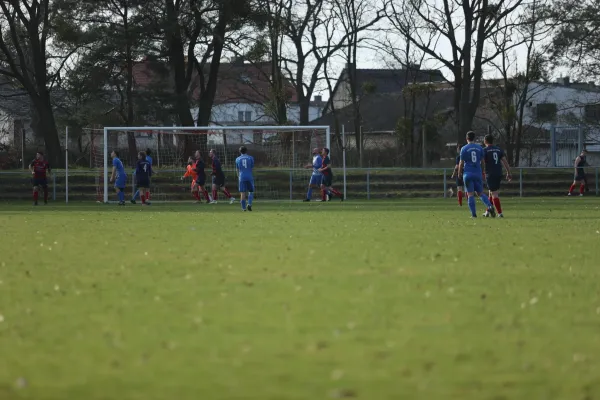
(280, 154)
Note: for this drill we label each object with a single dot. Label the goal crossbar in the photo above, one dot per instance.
(217, 127)
(193, 130)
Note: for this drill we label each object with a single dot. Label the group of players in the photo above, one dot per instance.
(470, 174)
(195, 169)
(474, 164)
(322, 176)
(244, 165)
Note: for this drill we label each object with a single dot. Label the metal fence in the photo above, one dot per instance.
(291, 184)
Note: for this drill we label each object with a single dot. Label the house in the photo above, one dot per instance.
(561, 112)
(243, 98)
(15, 116)
(382, 118)
(370, 81)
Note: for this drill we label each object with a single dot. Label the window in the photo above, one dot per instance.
(592, 112)
(246, 79)
(545, 111)
(244, 116)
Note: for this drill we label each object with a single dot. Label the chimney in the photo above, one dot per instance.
(238, 61)
(318, 99)
(563, 81)
(592, 83)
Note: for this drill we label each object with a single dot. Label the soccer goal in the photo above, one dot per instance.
(280, 154)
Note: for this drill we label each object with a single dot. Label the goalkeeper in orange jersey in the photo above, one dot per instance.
(191, 171)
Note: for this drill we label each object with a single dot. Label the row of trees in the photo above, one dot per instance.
(77, 57)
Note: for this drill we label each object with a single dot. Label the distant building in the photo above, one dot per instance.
(243, 98)
(378, 81)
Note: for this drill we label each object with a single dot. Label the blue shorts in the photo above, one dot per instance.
(246, 186)
(316, 180)
(473, 183)
(120, 182)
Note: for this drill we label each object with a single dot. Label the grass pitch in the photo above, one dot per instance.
(380, 300)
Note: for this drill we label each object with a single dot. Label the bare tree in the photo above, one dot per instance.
(315, 36)
(192, 34)
(262, 45)
(508, 96)
(25, 30)
(113, 40)
(357, 17)
(400, 52)
(465, 26)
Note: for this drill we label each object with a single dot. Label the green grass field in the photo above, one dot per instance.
(382, 300)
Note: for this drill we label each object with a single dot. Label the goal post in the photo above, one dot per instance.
(279, 152)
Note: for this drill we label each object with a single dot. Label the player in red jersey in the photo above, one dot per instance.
(218, 179)
(459, 180)
(326, 188)
(579, 178)
(39, 168)
(201, 176)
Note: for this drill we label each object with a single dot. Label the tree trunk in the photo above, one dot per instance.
(207, 96)
(182, 104)
(304, 104)
(45, 126)
(132, 145)
(277, 81)
(465, 119)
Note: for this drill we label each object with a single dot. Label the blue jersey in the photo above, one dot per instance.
(317, 163)
(143, 170)
(493, 157)
(472, 154)
(119, 168)
(244, 165)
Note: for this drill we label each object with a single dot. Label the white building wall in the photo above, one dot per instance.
(570, 103)
(228, 114)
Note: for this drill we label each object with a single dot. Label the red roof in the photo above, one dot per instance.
(237, 82)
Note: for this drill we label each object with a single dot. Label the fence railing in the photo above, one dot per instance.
(291, 184)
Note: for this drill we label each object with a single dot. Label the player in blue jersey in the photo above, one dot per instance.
(119, 177)
(143, 172)
(244, 165)
(471, 157)
(459, 180)
(137, 192)
(316, 176)
(495, 159)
